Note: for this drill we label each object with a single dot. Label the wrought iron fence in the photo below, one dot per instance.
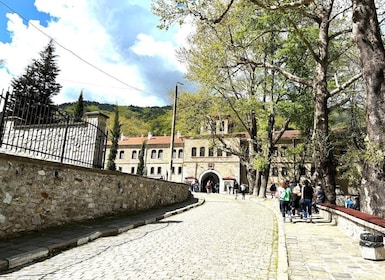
(31, 128)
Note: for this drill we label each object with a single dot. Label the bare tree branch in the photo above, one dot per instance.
(286, 74)
(345, 85)
(280, 6)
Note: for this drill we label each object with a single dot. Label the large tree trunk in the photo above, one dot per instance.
(264, 179)
(367, 35)
(252, 180)
(323, 160)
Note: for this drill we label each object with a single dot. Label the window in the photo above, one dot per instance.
(159, 170)
(194, 152)
(121, 154)
(283, 151)
(228, 154)
(219, 152)
(284, 171)
(134, 154)
(211, 152)
(180, 153)
(153, 154)
(222, 126)
(274, 171)
(202, 152)
(173, 170)
(160, 154)
(132, 170)
(120, 168)
(173, 153)
(180, 170)
(275, 152)
(152, 170)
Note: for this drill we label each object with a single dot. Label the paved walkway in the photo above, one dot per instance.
(223, 238)
(320, 250)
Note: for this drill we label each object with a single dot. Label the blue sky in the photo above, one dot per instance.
(110, 49)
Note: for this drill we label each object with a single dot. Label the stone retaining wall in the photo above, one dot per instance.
(36, 194)
(351, 221)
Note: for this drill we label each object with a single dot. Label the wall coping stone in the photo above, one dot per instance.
(364, 220)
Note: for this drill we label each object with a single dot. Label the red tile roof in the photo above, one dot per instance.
(152, 141)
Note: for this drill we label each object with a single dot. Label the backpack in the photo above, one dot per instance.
(281, 193)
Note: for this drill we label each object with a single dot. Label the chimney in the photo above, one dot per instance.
(149, 136)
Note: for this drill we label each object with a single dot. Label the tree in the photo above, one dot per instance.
(115, 134)
(79, 108)
(33, 91)
(141, 166)
(39, 80)
(319, 28)
(367, 36)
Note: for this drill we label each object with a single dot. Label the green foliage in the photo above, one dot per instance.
(115, 134)
(33, 90)
(39, 79)
(79, 108)
(260, 162)
(141, 166)
(135, 121)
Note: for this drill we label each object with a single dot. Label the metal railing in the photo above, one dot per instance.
(39, 130)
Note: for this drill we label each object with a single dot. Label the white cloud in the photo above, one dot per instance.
(92, 59)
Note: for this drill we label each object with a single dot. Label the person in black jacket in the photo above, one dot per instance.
(307, 196)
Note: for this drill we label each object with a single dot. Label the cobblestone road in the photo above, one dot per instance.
(222, 239)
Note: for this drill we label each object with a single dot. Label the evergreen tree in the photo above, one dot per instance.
(39, 80)
(115, 134)
(33, 91)
(140, 170)
(79, 108)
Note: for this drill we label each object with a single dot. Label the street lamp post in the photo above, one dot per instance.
(173, 130)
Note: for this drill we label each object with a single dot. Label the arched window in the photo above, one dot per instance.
(152, 170)
(180, 153)
(284, 171)
(219, 152)
(121, 154)
(160, 154)
(193, 152)
(159, 170)
(153, 154)
(202, 152)
(134, 154)
(274, 171)
(211, 152)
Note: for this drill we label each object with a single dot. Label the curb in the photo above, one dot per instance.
(45, 252)
(283, 263)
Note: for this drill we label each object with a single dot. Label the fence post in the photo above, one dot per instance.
(2, 115)
(65, 139)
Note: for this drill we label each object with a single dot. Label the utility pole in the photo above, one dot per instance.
(173, 130)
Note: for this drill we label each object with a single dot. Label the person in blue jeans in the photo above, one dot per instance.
(284, 193)
(307, 195)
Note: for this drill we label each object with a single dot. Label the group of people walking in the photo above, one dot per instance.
(296, 199)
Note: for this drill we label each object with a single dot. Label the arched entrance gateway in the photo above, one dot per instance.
(213, 177)
(218, 182)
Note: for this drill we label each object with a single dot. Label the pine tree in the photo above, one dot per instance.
(140, 170)
(115, 134)
(79, 108)
(33, 91)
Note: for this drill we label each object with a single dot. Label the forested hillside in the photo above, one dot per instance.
(135, 120)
